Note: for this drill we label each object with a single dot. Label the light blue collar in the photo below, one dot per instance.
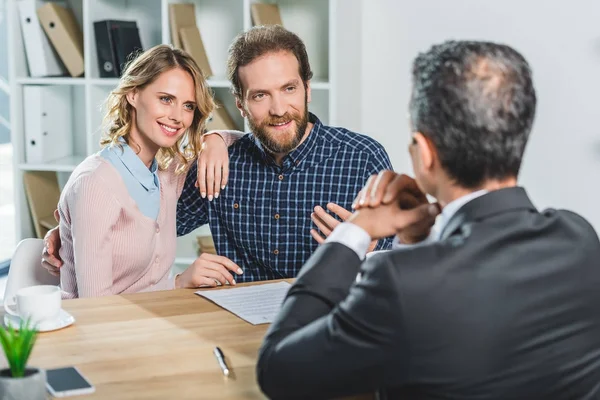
(147, 177)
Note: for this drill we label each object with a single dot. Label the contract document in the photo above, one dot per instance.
(257, 304)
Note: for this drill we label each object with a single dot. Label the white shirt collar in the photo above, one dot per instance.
(451, 209)
(443, 219)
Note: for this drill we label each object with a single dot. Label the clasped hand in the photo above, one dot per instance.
(389, 204)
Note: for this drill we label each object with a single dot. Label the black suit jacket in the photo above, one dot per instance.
(505, 306)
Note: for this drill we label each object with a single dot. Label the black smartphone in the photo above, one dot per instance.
(63, 382)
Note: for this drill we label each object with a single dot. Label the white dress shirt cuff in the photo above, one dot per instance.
(398, 245)
(351, 236)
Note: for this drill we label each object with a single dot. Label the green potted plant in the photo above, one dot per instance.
(18, 381)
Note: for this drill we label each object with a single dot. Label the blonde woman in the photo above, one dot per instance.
(117, 211)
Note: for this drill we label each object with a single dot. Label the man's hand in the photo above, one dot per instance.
(326, 223)
(389, 188)
(213, 166)
(208, 270)
(390, 219)
(50, 257)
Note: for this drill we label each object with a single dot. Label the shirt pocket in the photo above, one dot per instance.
(241, 220)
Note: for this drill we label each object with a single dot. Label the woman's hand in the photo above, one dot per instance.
(209, 270)
(213, 166)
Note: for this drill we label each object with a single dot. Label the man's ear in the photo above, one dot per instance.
(240, 106)
(131, 97)
(425, 150)
(308, 92)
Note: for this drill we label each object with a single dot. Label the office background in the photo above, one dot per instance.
(377, 39)
(561, 40)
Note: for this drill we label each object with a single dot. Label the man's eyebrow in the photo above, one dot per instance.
(290, 83)
(254, 91)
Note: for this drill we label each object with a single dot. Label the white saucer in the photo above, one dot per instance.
(64, 319)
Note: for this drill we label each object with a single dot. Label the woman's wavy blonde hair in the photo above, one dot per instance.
(142, 71)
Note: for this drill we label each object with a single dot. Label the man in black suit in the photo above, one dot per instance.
(501, 302)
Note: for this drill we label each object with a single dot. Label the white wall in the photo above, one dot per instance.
(347, 55)
(561, 41)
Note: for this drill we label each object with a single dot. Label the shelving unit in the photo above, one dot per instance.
(219, 22)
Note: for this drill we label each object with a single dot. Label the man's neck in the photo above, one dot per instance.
(280, 156)
(449, 193)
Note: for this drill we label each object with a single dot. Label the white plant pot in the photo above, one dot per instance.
(31, 387)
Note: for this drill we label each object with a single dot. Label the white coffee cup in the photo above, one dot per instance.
(38, 303)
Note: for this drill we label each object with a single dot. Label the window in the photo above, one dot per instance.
(7, 206)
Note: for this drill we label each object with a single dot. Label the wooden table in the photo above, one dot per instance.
(156, 345)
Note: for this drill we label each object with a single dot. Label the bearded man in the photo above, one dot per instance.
(290, 168)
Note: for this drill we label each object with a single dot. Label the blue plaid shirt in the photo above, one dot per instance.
(261, 220)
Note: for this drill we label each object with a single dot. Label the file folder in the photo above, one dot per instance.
(192, 43)
(43, 193)
(265, 14)
(64, 33)
(116, 41)
(42, 60)
(127, 44)
(48, 126)
(181, 15)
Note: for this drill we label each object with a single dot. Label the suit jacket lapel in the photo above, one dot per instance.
(492, 203)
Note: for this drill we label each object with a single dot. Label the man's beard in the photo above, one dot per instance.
(272, 141)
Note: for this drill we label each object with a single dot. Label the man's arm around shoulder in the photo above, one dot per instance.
(192, 209)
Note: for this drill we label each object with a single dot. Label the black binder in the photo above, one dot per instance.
(116, 43)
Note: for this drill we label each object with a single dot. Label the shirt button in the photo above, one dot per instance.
(236, 205)
(156, 260)
(275, 251)
(157, 229)
(276, 216)
(280, 177)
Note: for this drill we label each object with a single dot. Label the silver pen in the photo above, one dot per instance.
(221, 360)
